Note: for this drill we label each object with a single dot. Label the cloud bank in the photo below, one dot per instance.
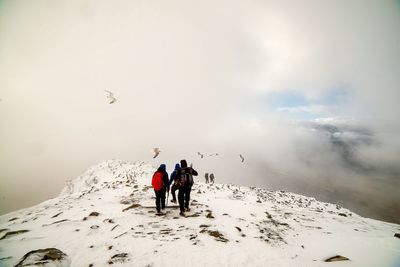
(307, 91)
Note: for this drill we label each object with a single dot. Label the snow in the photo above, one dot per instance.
(228, 225)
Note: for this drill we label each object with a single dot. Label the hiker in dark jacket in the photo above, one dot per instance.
(206, 175)
(161, 185)
(172, 181)
(185, 182)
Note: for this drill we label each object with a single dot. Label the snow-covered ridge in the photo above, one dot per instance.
(105, 172)
(107, 216)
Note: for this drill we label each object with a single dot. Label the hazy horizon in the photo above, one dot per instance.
(307, 91)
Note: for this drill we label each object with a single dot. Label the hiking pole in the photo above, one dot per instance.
(166, 204)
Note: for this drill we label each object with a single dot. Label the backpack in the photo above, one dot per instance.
(182, 179)
(185, 179)
(190, 179)
(157, 181)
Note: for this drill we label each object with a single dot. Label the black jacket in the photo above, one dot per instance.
(189, 170)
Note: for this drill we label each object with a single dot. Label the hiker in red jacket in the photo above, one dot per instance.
(160, 185)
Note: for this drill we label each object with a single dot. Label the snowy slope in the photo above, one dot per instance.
(107, 216)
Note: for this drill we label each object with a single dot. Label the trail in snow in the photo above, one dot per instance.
(107, 216)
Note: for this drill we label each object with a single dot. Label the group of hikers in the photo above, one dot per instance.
(209, 179)
(181, 180)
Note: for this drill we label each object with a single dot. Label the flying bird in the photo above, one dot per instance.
(240, 155)
(201, 155)
(111, 97)
(156, 152)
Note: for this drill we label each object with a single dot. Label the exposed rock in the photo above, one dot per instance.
(60, 221)
(54, 216)
(118, 258)
(126, 201)
(218, 236)
(209, 215)
(336, 258)
(94, 213)
(196, 214)
(45, 257)
(8, 234)
(397, 235)
(120, 235)
(133, 206)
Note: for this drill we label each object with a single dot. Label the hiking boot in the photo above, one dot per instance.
(173, 200)
(182, 214)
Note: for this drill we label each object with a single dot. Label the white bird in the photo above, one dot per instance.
(240, 155)
(156, 152)
(111, 96)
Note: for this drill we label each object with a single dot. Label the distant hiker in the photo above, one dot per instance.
(173, 179)
(206, 175)
(184, 183)
(160, 185)
(212, 178)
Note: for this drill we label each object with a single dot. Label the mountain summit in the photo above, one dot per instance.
(106, 216)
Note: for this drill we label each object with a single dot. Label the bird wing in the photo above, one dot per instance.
(156, 152)
(110, 96)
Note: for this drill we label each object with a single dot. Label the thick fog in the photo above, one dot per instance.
(306, 91)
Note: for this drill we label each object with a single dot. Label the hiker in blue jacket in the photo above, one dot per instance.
(172, 181)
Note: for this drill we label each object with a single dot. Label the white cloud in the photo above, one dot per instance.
(318, 110)
(192, 77)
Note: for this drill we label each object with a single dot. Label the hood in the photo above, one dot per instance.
(183, 164)
(177, 166)
(162, 167)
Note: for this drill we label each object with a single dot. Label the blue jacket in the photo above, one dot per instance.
(173, 174)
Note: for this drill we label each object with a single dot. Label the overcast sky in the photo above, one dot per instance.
(307, 91)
